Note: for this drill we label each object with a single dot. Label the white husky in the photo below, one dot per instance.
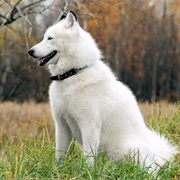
(89, 104)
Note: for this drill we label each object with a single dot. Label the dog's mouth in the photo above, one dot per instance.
(42, 61)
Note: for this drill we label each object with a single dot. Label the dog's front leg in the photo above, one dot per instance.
(63, 138)
(90, 138)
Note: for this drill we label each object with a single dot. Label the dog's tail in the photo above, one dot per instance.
(165, 148)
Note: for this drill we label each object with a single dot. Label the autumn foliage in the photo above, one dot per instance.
(138, 42)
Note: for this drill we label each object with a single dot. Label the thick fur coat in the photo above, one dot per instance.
(91, 106)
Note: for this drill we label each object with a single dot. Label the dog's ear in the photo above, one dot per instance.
(63, 16)
(70, 20)
(73, 14)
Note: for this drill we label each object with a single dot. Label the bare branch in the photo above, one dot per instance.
(17, 12)
(66, 5)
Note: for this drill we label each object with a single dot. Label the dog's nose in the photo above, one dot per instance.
(31, 52)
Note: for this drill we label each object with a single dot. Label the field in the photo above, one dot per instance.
(27, 146)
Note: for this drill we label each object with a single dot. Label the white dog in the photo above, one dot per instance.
(89, 104)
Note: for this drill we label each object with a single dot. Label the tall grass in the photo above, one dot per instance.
(27, 146)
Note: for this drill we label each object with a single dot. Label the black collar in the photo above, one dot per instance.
(61, 77)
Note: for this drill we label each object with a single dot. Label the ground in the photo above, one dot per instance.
(27, 145)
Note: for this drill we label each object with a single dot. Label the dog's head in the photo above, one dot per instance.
(56, 40)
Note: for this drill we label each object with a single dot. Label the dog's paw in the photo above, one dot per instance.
(60, 156)
(90, 161)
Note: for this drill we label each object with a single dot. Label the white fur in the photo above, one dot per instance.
(100, 112)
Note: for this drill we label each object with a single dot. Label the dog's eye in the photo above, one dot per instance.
(50, 38)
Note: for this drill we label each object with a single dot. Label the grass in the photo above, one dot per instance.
(27, 146)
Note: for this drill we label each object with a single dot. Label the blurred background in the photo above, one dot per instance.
(140, 40)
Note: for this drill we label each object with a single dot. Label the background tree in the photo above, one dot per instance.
(139, 40)
(14, 38)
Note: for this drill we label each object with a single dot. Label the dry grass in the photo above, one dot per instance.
(155, 110)
(29, 117)
(26, 119)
